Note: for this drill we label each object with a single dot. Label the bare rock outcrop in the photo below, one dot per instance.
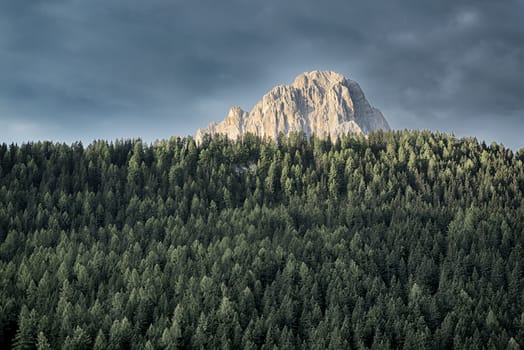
(319, 103)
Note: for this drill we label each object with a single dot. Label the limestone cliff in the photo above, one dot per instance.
(320, 103)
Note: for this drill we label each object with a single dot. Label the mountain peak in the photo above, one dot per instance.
(323, 103)
(325, 79)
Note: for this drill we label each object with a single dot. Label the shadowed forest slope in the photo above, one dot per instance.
(399, 240)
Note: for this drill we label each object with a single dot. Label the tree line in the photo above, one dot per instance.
(403, 239)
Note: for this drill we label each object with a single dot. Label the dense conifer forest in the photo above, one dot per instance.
(405, 240)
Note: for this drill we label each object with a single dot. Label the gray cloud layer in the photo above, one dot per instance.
(74, 69)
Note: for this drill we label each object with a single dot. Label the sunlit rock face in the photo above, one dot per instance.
(320, 103)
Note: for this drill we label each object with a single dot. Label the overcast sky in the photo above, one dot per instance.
(83, 70)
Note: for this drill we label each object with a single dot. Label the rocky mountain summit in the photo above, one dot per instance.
(319, 103)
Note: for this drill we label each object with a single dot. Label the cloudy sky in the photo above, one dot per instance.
(83, 70)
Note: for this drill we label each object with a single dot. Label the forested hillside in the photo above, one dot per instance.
(400, 240)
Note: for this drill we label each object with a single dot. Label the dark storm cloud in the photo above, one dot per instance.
(75, 69)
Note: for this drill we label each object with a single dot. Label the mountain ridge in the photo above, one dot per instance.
(324, 103)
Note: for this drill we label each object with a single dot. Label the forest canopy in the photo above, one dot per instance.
(405, 239)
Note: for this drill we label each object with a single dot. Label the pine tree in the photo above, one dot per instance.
(41, 342)
(25, 337)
